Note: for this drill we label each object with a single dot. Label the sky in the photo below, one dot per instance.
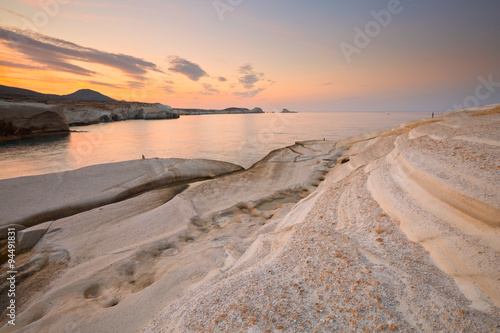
(314, 55)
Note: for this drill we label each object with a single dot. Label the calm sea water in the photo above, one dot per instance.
(242, 139)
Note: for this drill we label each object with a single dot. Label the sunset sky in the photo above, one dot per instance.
(320, 55)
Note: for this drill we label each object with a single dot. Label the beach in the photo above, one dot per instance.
(390, 230)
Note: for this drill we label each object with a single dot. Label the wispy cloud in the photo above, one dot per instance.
(249, 77)
(88, 18)
(6, 63)
(57, 54)
(168, 89)
(135, 84)
(222, 79)
(14, 13)
(104, 84)
(208, 89)
(248, 94)
(186, 67)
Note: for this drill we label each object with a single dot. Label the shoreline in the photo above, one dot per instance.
(361, 232)
(36, 117)
(280, 130)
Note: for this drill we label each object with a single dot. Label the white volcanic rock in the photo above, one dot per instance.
(51, 196)
(138, 255)
(159, 111)
(19, 119)
(28, 237)
(86, 115)
(401, 236)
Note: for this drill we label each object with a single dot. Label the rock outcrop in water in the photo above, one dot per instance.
(19, 120)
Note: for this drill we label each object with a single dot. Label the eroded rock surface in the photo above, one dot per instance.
(401, 234)
(19, 120)
(139, 255)
(28, 201)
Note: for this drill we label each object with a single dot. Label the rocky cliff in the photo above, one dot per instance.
(30, 119)
(93, 113)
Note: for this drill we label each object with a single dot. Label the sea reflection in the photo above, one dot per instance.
(242, 139)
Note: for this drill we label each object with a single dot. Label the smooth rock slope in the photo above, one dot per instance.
(116, 267)
(402, 236)
(27, 201)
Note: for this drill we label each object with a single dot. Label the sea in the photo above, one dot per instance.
(243, 139)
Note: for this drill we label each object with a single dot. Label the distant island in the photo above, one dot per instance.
(26, 113)
(231, 110)
(287, 111)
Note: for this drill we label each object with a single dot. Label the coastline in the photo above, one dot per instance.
(362, 232)
(34, 116)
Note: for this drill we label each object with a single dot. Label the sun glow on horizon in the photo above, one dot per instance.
(253, 56)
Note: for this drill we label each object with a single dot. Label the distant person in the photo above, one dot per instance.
(433, 115)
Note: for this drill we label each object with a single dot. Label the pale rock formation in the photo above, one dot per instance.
(76, 116)
(56, 195)
(86, 115)
(28, 238)
(30, 119)
(118, 266)
(401, 235)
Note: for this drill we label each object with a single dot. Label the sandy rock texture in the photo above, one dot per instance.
(19, 120)
(392, 230)
(403, 235)
(116, 267)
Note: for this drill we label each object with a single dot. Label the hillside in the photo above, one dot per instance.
(87, 95)
(80, 95)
